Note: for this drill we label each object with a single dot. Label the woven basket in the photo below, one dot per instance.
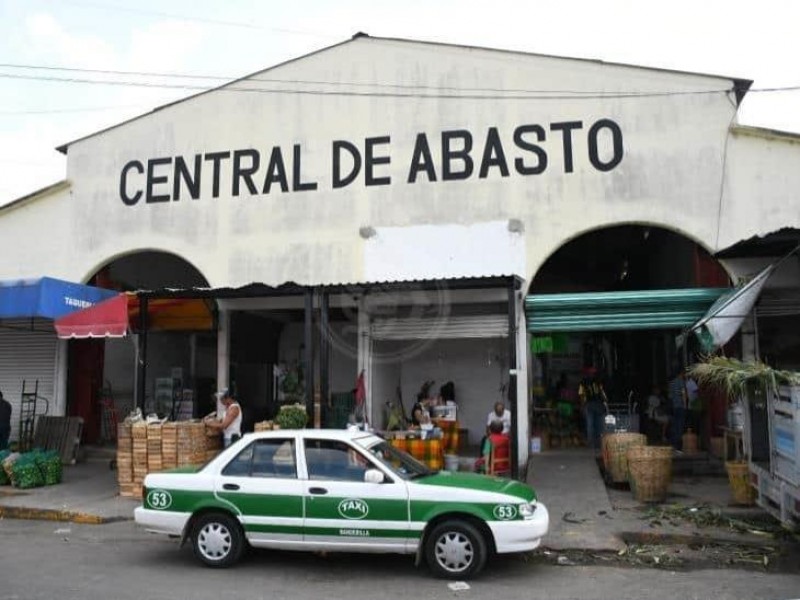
(739, 479)
(650, 472)
(615, 457)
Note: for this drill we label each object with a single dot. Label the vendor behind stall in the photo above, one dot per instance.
(231, 423)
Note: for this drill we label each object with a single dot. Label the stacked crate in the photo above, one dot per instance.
(213, 443)
(139, 435)
(154, 461)
(191, 443)
(169, 445)
(125, 459)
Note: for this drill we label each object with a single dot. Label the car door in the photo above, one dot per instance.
(261, 483)
(345, 512)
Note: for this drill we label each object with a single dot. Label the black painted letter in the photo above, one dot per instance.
(153, 180)
(182, 173)
(123, 183)
(566, 132)
(297, 180)
(246, 173)
(521, 142)
(276, 171)
(493, 155)
(370, 160)
(616, 139)
(216, 158)
(448, 154)
(338, 180)
(421, 160)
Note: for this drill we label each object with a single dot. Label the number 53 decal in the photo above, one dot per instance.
(159, 499)
(505, 512)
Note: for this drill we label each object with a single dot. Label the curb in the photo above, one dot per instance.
(49, 514)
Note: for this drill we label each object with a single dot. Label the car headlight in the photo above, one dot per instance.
(526, 510)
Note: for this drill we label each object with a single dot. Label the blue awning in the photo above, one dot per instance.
(47, 298)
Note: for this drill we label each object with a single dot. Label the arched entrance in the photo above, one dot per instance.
(617, 299)
(102, 372)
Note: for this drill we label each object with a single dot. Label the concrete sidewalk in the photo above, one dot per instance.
(88, 493)
(569, 483)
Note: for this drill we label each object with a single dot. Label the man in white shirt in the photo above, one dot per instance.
(499, 414)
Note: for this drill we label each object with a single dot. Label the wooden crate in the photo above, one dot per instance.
(169, 445)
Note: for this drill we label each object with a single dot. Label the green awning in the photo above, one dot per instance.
(619, 311)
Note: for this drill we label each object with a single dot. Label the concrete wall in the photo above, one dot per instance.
(313, 236)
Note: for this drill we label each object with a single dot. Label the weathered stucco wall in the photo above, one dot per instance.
(650, 159)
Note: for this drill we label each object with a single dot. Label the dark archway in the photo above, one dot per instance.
(102, 373)
(632, 357)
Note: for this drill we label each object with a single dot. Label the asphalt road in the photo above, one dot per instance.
(117, 562)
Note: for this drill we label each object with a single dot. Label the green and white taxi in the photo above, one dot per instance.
(340, 491)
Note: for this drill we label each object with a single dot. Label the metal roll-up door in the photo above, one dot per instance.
(27, 353)
(462, 327)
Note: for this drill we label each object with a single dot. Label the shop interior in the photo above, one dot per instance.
(632, 359)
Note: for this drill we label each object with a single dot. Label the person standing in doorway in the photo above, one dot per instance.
(595, 406)
(678, 399)
(231, 423)
(5, 422)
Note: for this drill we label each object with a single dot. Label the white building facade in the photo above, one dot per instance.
(381, 160)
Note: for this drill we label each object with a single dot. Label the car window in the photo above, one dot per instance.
(335, 460)
(273, 458)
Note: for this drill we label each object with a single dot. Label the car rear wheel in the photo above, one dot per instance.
(217, 540)
(455, 549)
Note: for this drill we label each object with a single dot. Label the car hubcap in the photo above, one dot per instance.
(214, 541)
(454, 552)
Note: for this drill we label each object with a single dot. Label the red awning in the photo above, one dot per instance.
(119, 315)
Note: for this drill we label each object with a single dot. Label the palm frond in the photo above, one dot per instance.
(734, 377)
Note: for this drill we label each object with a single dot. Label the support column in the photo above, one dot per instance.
(324, 349)
(364, 354)
(60, 401)
(141, 355)
(512, 377)
(523, 387)
(308, 353)
(223, 353)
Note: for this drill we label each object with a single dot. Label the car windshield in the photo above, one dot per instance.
(400, 463)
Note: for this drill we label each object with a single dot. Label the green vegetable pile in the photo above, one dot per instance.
(31, 469)
(292, 416)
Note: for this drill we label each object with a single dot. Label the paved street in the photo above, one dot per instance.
(115, 561)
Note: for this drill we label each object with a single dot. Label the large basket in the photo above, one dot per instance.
(615, 457)
(650, 472)
(739, 479)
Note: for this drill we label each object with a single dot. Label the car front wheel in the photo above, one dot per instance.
(217, 540)
(455, 550)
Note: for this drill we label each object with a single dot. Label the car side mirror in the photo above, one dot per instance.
(373, 476)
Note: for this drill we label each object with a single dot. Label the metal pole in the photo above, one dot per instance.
(512, 377)
(142, 354)
(308, 355)
(324, 349)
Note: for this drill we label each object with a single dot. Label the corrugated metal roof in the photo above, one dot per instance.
(619, 311)
(253, 290)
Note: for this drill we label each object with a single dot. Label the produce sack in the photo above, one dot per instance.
(50, 464)
(26, 473)
(7, 463)
(4, 478)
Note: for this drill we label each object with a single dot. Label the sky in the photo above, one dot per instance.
(231, 38)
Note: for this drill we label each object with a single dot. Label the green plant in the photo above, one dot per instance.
(735, 378)
(292, 416)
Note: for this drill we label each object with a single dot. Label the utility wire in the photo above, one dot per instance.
(314, 82)
(541, 95)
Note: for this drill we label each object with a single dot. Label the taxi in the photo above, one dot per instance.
(332, 490)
